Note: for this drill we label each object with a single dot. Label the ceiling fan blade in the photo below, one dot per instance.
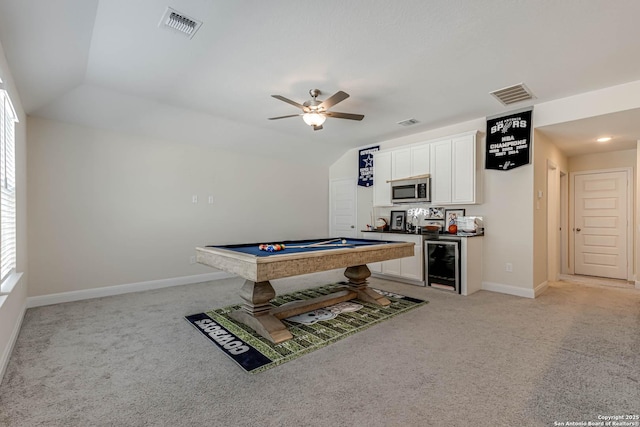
(333, 100)
(288, 101)
(344, 115)
(284, 117)
(317, 127)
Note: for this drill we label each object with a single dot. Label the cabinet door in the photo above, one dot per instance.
(420, 157)
(463, 151)
(401, 163)
(391, 267)
(411, 267)
(408, 267)
(441, 172)
(381, 174)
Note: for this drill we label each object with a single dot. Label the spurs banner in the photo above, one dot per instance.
(365, 166)
(509, 141)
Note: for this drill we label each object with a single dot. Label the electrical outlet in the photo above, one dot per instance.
(210, 200)
(508, 267)
(192, 259)
(194, 198)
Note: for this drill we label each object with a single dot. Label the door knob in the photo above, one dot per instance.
(353, 226)
(577, 229)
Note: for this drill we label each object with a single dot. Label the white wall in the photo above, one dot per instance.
(507, 209)
(110, 209)
(608, 160)
(544, 151)
(12, 305)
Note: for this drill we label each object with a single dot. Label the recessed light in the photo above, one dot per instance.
(604, 139)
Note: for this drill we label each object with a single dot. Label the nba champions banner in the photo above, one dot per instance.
(509, 141)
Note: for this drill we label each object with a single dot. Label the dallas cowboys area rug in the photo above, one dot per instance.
(310, 331)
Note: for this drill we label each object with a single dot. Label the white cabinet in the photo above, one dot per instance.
(411, 269)
(441, 172)
(401, 163)
(463, 150)
(470, 263)
(382, 174)
(420, 159)
(410, 161)
(451, 162)
(453, 170)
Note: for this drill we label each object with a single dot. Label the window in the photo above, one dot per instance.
(8, 120)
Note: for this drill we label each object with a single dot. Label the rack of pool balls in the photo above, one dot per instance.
(281, 246)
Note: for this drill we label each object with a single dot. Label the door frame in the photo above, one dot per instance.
(630, 201)
(554, 258)
(564, 222)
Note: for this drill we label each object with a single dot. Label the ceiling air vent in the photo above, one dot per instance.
(408, 122)
(512, 94)
(176, 21)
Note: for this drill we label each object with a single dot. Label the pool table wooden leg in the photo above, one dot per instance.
(255, 311)
(358, 276)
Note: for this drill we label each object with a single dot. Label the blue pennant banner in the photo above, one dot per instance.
(365, 166)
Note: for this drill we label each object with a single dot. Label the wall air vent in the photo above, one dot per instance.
(176, 21)
(408, 122)
(512, 94)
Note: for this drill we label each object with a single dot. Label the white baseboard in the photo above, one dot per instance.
(123, 289)
(6, 354)
(508, 289)
(538, 290)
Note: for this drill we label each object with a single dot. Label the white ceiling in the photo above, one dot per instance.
(107, 64)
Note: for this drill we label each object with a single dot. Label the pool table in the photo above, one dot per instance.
(299, 257)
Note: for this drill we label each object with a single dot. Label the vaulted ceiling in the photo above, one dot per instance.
(108, 64)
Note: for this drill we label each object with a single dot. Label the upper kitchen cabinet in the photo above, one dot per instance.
(381, 178)
(453, 170)
(451, 162)
(420, 159)
(410, 161)
(441, 167)
(401, 163)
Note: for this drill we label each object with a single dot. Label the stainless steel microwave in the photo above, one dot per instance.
(412, 190)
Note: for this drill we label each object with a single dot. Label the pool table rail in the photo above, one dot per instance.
(282, 264)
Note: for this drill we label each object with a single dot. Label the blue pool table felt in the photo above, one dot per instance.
(253, 248)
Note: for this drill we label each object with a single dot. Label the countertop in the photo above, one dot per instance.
(424, 234)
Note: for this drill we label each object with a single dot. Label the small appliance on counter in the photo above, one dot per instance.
(470, 225)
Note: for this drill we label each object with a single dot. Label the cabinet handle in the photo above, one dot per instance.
(578, 230)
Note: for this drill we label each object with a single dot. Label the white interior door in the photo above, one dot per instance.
(601, 211)
(342, 208)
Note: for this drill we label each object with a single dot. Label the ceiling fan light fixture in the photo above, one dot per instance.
(314, 119)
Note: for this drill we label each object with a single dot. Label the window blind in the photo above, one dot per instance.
(8, 119)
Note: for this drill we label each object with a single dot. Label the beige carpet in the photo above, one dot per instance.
(573, 354)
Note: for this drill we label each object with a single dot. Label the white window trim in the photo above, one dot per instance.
(10, 282)
(12, 277)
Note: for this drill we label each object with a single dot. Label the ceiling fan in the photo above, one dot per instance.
(315, 112)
